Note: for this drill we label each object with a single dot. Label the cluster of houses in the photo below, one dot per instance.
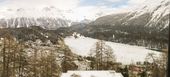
(133, 70)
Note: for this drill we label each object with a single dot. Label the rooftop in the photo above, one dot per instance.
(108, 73)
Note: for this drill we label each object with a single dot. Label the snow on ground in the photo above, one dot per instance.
(91, 74)
(124, 53)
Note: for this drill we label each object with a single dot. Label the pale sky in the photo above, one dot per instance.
(80, 9)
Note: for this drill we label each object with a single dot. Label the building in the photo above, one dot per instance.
(91, 73)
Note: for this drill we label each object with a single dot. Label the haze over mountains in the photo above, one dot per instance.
(149, 13)
(148, 22)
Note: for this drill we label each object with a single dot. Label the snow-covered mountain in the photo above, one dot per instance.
(146, 25)
(150, 13)
(47, 17)
(156, 12)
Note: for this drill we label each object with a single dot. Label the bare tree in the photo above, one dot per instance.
(103, 54)
(159, 64)
(13, 57)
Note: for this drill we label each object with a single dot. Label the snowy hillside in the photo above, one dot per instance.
(126, 54)
(150, 13)
(158, 10)
(47, 17)
(147, 25)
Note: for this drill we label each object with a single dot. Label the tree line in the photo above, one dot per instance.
(18, 59)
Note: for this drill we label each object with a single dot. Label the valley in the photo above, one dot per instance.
(74, 39)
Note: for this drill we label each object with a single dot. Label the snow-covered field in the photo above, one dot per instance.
(124, 53)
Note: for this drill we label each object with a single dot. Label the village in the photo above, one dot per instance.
(118, 70)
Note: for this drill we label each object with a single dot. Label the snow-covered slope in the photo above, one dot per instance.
(150, 13)
(158, 11)
(47, 17)
(147, 23)
(44, 22)
(124, 53)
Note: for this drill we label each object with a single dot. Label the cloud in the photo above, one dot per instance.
(79, 11)
(113, 0)
(135, 2)
(91, 12)
(61, 4)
